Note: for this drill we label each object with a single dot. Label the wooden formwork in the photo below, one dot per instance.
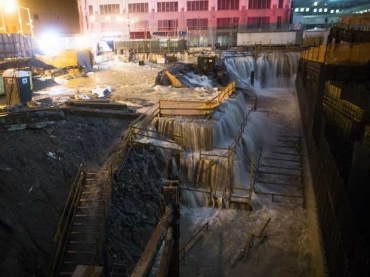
(338, 53)
(340, 112)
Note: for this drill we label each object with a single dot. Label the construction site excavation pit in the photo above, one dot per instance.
(238, 154)
(242, 174)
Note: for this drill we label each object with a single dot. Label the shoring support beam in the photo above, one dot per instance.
(166, 255)
(145, 263)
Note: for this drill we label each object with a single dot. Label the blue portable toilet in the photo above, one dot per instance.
(17, 86)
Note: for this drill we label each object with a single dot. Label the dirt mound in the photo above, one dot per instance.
(36, 169)
(135, 211)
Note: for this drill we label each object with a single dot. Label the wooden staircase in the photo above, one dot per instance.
(88, 224)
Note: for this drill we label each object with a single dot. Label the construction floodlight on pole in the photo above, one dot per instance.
(2, 21)
(11, 6)
(2, 7)
(20, 20)
(29, 19)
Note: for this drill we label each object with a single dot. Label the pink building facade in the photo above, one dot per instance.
(201, 22)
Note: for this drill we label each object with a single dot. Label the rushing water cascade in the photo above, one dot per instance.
(273, 69)
(212, 158)
(216, 153)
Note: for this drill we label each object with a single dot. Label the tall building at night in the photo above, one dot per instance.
(321, 13)
(201, 22)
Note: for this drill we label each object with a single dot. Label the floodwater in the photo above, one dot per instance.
(290, 246)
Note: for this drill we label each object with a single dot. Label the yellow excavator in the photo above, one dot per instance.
(173, 80)
(72, 61)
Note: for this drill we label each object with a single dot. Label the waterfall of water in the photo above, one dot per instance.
(281, 71)
(272, 69)
(207, 160)
(240, 68)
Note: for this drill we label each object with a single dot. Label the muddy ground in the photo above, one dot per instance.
(37, 167)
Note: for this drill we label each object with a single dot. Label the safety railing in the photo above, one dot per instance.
(65, 223)
(226, 92)
(191, 108)
(338, 53)
(188, 245)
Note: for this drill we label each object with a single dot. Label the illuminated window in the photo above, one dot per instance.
(140, 25)
(331, 11)
(259, 4)
(337, 11)
(167, 25)
(227, 4)
(167, 6)
(110, 26)
(197, 5)
(307, 9)
(320, 10)
(91, 10)
(109, 9)
(296, 9)
(258, 22)
(314, 10)
(302, 9)
(227, 23)
(138, 8)
(197, 24)
(315, 3)
(325, 10)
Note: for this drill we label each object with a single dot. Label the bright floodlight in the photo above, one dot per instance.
(48, 42)
(10, 6)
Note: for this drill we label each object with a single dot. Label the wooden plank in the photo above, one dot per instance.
(278, 184)
(281, 167)
(285, 153)
(87, 271)
(285, 160)
(279, 173)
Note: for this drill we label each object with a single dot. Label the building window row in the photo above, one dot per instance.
(197, 24)
(197, 5)
(138, 8)
(194, 24)
(167, 6)
(109, 9)
(140, 25)
(258, 22)
(166, 25)
(227, 23)
(260, 4)
(227, 4)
